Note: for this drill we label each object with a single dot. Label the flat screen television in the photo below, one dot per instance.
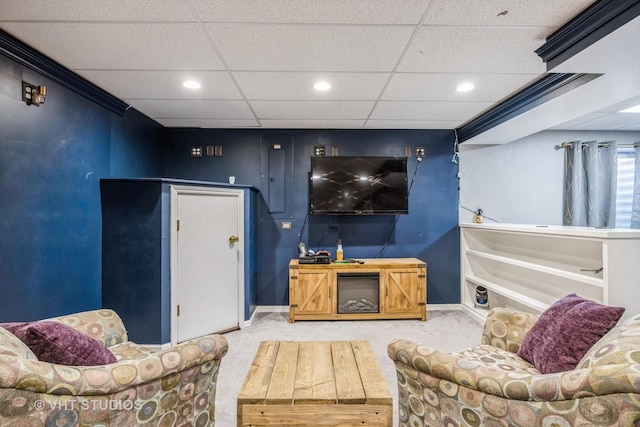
(364, 185)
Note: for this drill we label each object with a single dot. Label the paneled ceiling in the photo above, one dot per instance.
(390, 63)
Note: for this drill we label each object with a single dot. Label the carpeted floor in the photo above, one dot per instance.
(449, 331)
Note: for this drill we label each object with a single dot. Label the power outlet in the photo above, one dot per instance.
(285, 225)
(419, 152)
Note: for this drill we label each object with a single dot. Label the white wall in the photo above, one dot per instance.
(521, 181)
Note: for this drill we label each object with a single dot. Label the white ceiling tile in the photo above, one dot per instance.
(312, 124)
(87, 10)
(208, 123)
(578, 121)
(412, 124)
(140, 51)
(619, 106)
(164, 84)
(312, 11)
(541, 13)
(299, 86)
(309, 48)
(427, 110)
(635, 126)
(307, 110)
(609, 121)
(456, 49)
(192, 109)
(141, 46)
(441, 87)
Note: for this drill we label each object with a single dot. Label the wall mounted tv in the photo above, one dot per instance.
(345, 185)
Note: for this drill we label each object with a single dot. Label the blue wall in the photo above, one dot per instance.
(429, 232)
(51, 160)
(53, 156)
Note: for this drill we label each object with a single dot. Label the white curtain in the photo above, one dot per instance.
(590, 184)
(635, 207)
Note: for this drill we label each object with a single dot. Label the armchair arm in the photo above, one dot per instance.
(42, 377)
(104, 325)
(505, 328)
(420, 362)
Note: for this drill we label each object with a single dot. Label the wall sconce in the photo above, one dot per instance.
(33, 95)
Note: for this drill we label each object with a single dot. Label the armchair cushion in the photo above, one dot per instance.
(565, 332)
(489, 385)
(55, 342)
(618, 347)
(10, 344)
(172, 386)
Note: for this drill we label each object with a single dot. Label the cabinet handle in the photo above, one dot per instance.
(329, 292)
(386, 290)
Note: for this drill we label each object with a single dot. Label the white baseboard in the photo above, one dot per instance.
(285, 309)
(265, 309)
(157, 347)
(480, 316)
(443, 307)
(272, 309)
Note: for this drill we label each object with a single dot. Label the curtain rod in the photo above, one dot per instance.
(604, 144)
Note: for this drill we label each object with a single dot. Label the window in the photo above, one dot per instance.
(624, 197)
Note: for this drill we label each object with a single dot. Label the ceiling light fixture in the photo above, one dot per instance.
(322, 86)
(635, 109)
(464, 87)
(191, 84)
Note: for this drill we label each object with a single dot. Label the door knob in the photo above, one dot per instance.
(233, 239)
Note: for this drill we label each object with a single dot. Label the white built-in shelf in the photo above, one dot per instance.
(508, 293)
(588, 277)
(528, 267)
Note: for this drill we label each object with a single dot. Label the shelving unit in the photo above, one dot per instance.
(528, 267)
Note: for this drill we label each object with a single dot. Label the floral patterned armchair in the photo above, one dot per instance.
(175, 386)
(490, 385)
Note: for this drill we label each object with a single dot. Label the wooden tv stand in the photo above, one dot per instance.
(401, 291)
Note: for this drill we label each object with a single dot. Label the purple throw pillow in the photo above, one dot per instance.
(565, 332)
(55, 342)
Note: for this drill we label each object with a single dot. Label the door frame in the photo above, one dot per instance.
(177, 190)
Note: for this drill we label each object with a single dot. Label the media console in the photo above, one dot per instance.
(376, 288)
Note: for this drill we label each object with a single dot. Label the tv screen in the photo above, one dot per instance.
(345, 185)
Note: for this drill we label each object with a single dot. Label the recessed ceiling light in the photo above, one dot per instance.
(635, 109)
(322, 86)
(191, 84)
(464, 87)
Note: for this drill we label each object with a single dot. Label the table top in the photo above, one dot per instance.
(312, 372)
(364, 263)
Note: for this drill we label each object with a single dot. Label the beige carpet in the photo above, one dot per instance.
(444, 330)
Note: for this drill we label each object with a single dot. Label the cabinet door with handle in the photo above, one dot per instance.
(311, 292)
(404, 291)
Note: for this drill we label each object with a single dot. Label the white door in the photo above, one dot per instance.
(206, 259)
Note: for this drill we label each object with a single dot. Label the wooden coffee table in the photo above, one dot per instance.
(315, 383)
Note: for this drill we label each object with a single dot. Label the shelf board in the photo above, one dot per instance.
(559, 230)
(510, 294)
(547, 269)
